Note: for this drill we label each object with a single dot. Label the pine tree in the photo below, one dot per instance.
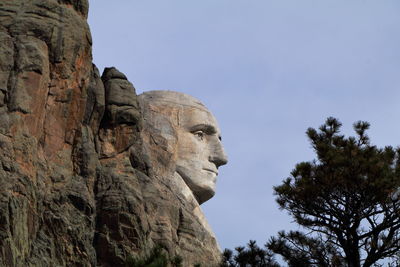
(250, 256)
(347, 200)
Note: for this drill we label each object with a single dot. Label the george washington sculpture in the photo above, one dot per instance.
(189, 137)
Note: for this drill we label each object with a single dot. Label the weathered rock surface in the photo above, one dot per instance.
(75, 188)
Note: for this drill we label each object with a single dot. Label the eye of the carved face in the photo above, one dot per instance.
(199, 135)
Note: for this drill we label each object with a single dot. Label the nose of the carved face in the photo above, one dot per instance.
(218, 156)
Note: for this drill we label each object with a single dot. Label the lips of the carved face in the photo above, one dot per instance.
(201, 182)
(211, 170)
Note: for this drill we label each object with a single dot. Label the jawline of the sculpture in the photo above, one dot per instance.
(200, 194)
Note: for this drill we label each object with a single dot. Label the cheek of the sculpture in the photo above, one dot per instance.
(192, 160)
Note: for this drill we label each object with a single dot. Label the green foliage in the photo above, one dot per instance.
(252, 256)
(156, 258)
(347, 200)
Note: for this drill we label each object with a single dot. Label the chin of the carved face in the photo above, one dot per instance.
(202, 187)
(204, 196)
(203, 192)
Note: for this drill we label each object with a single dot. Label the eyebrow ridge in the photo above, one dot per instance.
(209, 129)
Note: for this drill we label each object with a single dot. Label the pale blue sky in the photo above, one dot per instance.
(268, 70)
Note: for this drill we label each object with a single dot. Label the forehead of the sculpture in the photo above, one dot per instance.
(171, 98)
(182, 109)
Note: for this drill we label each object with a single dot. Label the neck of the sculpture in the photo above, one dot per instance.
(182, 187)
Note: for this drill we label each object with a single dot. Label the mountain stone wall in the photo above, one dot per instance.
(76, 188)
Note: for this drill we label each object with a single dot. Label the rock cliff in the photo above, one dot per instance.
(76, 188)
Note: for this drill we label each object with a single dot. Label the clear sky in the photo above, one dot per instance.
(268, 70)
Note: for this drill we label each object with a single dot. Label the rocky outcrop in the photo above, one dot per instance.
(75, 186)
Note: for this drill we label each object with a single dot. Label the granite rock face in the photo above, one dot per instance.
(76, 188)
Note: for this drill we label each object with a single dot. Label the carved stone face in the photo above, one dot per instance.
(198, 149)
